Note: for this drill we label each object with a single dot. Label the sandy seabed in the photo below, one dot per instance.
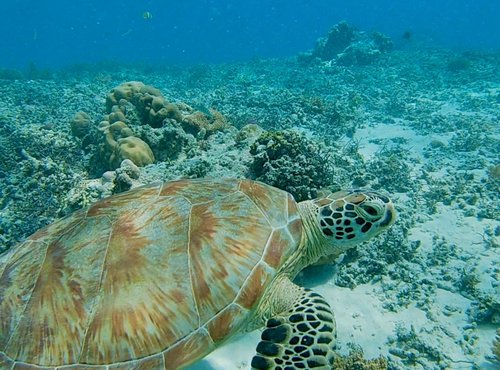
(420, 123)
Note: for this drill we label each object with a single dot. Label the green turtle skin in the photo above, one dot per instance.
(158, 277)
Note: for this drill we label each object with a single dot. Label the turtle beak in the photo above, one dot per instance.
(389, 217)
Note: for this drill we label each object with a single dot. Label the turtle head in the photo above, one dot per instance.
(347, 218)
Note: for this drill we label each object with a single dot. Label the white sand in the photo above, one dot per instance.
(362, 320)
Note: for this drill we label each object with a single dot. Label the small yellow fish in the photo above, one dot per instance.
(147, 15)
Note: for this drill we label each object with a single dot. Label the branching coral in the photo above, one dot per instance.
(292, 162)
(356, 361)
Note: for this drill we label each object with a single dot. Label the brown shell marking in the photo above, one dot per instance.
(149, 363)
(272, 202)
(224, 322)
(150, 279)
(31, 314)
(200, 190)
(254, 286)
(187, 350)
(135, 315)
(216, 224)
(16, 284)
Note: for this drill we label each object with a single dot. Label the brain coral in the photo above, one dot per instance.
(126, 90)
(120, 143)
(140, 114)
(80, 124)
(150, 104)
(132, 148)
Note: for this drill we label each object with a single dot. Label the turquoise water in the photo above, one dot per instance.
(60, 33)
(97, 98)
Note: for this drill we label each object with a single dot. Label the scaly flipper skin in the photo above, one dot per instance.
(301, 338)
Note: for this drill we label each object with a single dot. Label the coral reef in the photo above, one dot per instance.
(120, 144)
(347, 46)
(389, 254)
(485, 305)
(131, 148)
(390, 171)
(80, 124)
(292, 162)
(159, 129)
(358, 53)
(150, 104)
(355, 361)
(338, 39)
(248, 134)
(47, 182)
(167, 142)
(153, 109)
(201, 124)
(35, 174)
(412, 350)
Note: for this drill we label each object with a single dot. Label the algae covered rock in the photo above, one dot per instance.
(292, 162)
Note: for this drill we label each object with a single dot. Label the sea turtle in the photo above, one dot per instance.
(158, 277)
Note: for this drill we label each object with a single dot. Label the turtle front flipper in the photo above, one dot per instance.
(301, 338)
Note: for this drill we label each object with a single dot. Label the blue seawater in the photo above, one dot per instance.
(56, 33)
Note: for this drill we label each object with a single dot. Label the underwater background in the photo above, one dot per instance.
(58, 33)
(97, 98)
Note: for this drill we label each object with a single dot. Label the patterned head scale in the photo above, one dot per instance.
(351, 217)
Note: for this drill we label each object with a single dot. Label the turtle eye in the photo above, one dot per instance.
(369, 209)
(372, 212)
